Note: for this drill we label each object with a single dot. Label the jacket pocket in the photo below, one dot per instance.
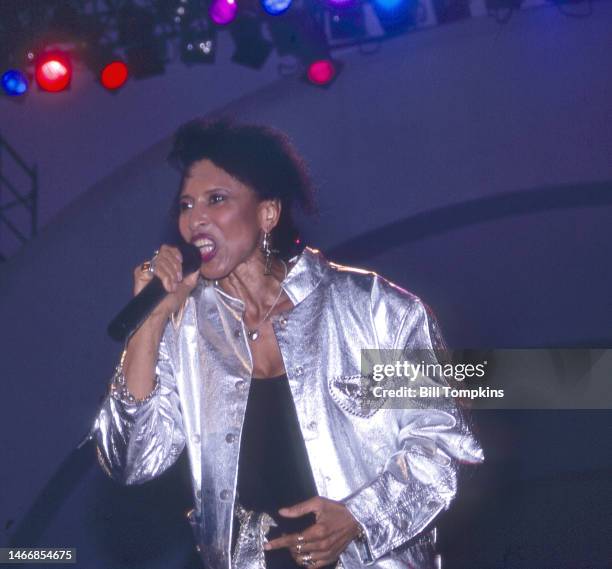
(354, 394)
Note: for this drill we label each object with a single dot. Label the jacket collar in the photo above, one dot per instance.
(305, 275)
(302, 279)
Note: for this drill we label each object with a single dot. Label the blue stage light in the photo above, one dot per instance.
(396, 15)
(389, 5)
(14, 83)
(275, 7)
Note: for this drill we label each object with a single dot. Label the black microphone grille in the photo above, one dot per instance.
(191, 258)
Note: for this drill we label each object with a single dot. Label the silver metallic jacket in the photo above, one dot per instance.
(395, 469)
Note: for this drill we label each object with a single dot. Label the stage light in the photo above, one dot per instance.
(114, 75)
(389, 5)
(321, 72)
(222, 12)
(106, 65)
(53, 71)
(252, 49)
(198, 46)
(396, 15)
(183, 12)
(301, 35)
(275, 7)
(199, 51)
(14, 83)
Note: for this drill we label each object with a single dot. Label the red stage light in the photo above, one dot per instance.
(53, 72)
(321, 72)
(114, 75)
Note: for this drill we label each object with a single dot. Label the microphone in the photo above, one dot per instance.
(138, 309)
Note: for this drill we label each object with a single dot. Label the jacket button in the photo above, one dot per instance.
(198, 548)
(299, 370)
(312, 425)
(230, 438)
(236, 333)
(196, 438)
(239, 384)
(283, 321)
(225, 494)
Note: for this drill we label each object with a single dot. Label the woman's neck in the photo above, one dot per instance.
(258, 291)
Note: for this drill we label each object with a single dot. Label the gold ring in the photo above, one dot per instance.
(307, 560)
(298, 548)
(300, 538)
(146, 267)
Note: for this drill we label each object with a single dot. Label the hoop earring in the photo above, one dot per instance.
(266, 247)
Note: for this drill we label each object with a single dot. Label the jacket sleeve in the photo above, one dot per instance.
(137, 440)
(419, 480)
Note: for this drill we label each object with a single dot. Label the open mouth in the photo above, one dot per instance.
(206, 245)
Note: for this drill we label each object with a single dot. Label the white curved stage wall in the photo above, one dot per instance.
(448, 147)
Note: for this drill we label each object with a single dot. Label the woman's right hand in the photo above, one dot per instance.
(142, 348)
(167, 266)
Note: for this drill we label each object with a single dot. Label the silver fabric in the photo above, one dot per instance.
(254, 527)
(395, 469)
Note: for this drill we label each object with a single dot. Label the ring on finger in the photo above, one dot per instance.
(300, 544)
(307, 560)
(151, 264)
(147, 267)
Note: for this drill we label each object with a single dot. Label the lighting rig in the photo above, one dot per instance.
(122, 39)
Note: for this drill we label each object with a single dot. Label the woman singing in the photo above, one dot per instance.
(253, 363)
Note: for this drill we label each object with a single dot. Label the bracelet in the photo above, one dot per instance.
(119, 389)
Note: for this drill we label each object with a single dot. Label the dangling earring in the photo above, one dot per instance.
(266, 247)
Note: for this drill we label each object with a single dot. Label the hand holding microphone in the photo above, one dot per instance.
(160, 288)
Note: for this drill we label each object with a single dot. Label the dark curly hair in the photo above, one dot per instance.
(260, 157)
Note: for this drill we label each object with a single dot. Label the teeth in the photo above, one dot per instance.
(204, 243)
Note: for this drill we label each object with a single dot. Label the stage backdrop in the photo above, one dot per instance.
(468, 163)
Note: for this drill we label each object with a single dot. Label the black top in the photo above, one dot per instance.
(274, 471)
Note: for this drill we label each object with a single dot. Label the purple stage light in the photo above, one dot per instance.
(222, 12)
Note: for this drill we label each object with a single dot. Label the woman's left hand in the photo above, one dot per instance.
(323, 542)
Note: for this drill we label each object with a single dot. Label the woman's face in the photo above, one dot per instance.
(222, 217)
